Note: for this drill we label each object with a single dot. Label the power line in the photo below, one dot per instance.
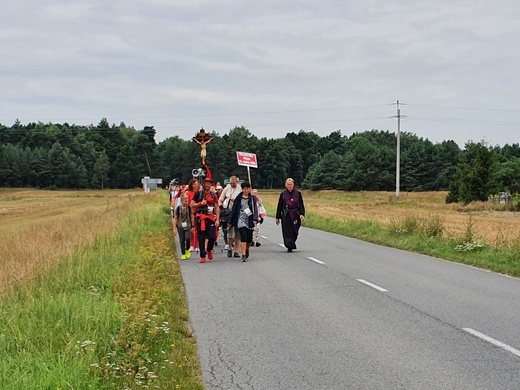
(339, 121)
(263, 124)
(463, 108)
(226, 114)
(472, 121)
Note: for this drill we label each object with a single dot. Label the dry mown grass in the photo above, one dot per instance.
(38, 227)
(497, 228)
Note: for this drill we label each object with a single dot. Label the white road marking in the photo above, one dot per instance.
(493, 341)
(282, 245)
(371, 285)
(263, 236)
(315, 260)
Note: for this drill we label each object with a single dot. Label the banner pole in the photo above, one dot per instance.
(249, 176)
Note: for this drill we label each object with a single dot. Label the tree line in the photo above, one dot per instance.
(47, 155)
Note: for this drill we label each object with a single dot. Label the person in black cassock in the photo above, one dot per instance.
(291, 211)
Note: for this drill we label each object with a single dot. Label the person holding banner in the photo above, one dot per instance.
(291, 212)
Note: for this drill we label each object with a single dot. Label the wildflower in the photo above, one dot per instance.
(93, 290)
(86, 343)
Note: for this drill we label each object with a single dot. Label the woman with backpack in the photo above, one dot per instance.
(183, 223)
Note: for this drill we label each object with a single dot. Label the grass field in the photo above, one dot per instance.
(38, 227)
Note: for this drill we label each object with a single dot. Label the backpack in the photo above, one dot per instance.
(224, 214)
(178, 213)
(199, 196)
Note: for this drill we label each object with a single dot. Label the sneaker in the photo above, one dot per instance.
(192, 248)
(258, 244)
(202, 260)
(183, 257)
(226, 247)
(229, 253)
(210, 255)
(236, 254)
(197, 250)
(188, 254)
(244, 259)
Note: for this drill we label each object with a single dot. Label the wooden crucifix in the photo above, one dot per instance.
(202, 139)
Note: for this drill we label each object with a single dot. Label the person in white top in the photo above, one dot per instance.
(226, 202)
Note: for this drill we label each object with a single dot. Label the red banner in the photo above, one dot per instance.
(247, 159)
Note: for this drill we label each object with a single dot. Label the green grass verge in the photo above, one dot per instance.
(112, 316)
(423, 237)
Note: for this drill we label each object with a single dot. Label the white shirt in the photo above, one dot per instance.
(229, 193)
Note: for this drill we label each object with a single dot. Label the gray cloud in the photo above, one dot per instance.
(272, 66)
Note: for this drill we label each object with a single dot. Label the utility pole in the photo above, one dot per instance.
(398, 162)
(148, 163)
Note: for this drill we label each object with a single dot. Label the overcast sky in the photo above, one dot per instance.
(271, 66)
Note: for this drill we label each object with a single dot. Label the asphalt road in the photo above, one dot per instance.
(339, 313)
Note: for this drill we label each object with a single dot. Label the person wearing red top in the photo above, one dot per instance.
(193, 188)
(207, 219)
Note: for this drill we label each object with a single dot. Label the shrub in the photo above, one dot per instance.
(433, 226)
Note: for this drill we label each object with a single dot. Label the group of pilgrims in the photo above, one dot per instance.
(200, 211)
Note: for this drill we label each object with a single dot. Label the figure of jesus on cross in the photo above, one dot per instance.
(202, 139)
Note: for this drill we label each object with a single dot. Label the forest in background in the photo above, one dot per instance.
(52, 156)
